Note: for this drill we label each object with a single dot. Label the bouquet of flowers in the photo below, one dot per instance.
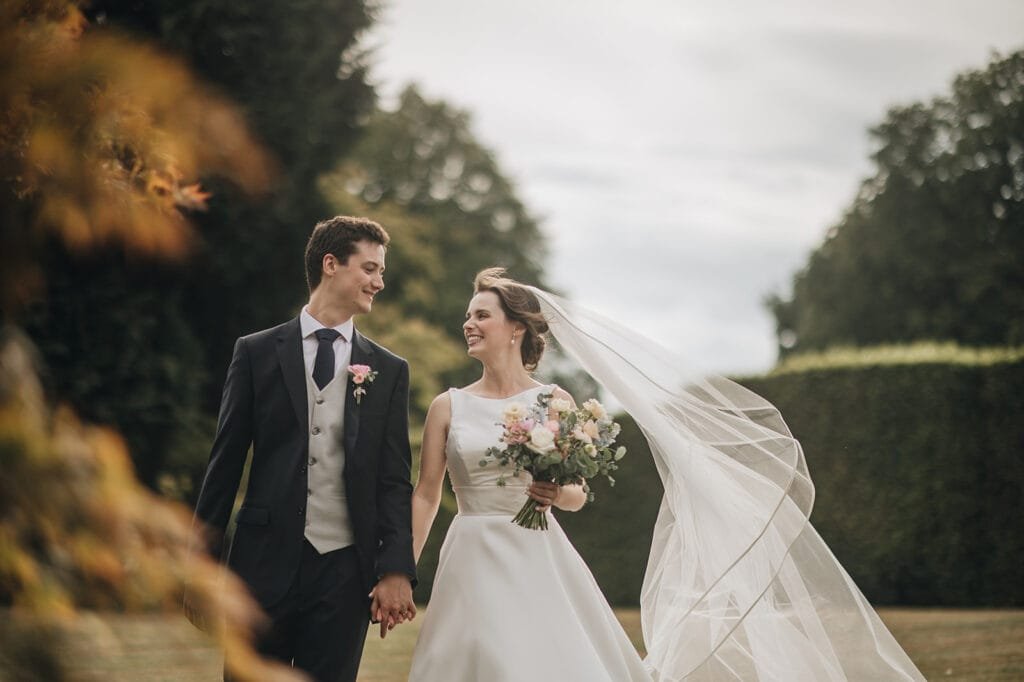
(558, 443)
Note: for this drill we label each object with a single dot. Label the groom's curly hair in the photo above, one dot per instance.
(519, 305)
(338, 236)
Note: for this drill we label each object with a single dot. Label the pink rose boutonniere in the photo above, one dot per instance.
(361, 375)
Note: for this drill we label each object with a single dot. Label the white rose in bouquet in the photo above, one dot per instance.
(541, 439)
(560, 405)
(595, 408)
(570, 449)
(514, 412)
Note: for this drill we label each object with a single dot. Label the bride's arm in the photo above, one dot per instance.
(426, 497)
(566, 497)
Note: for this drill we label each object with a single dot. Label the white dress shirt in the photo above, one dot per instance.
(342, 344)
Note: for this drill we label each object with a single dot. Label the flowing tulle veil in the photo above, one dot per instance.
(739, 585)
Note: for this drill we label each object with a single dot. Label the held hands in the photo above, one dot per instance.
(392, 602)
(545, 493)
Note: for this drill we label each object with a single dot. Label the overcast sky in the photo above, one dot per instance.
(685, 157)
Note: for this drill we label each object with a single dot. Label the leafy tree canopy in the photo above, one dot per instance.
(424, 158)
(933, 245)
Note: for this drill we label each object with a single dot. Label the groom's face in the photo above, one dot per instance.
(353, 284)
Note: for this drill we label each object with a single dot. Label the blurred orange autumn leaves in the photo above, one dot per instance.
(101, 142)
(77, 531)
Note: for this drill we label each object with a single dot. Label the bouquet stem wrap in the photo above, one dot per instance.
(529, 517)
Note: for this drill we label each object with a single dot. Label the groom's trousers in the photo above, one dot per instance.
(320, 625)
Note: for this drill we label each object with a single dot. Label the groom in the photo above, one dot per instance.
(326, 515)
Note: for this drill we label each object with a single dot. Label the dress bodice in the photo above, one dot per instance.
(476, 426)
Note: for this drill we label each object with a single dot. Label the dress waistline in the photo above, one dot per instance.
(490, 500)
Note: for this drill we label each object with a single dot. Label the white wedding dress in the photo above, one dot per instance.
(511, 604)
(738, 586)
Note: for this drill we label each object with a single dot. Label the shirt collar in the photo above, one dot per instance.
(309, 325)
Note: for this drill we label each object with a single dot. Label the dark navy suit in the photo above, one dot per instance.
(264, 405)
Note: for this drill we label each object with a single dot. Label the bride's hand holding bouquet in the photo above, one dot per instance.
(558, 443)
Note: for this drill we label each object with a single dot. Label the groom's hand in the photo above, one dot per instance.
(392, 602)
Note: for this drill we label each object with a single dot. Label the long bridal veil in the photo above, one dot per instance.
(739, 585)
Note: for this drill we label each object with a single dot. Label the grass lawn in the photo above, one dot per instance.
(947, 644)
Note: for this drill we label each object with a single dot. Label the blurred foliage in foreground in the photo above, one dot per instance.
(96, 142)
(79, 533)
(101, 139)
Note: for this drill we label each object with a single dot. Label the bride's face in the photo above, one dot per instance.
(487, 330)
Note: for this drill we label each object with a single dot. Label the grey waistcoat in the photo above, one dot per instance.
(327, 521)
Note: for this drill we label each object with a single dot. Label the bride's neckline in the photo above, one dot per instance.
(508, 397)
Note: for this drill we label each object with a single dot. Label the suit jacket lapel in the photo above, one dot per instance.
(289, 353)
(362, 354)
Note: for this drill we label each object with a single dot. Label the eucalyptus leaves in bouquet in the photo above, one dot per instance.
(556, 442)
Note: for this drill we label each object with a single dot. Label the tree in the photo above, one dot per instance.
(400, 318)
(452, 212)
(424, 158)
(933, 245)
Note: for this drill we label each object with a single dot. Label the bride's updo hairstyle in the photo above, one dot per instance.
(520, 305)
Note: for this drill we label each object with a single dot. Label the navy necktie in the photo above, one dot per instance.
(323, 366)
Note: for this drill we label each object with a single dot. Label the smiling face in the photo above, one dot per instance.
(487, 329)
(353, 284)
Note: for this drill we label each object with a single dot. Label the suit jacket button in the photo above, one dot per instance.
(319, 401)
(316, 430)
(301, 511)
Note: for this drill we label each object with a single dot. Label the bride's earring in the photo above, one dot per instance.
(513, 341)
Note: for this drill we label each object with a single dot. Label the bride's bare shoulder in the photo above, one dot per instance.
(439, 414)
(442, 402)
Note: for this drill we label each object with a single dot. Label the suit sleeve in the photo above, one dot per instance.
(394, 488)
(230, 447)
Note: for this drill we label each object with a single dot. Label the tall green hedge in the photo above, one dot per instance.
(917, 454)
(919, 471)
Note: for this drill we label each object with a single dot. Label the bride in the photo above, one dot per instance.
(738, 586)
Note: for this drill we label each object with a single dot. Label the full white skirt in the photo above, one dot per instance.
(517, 605)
